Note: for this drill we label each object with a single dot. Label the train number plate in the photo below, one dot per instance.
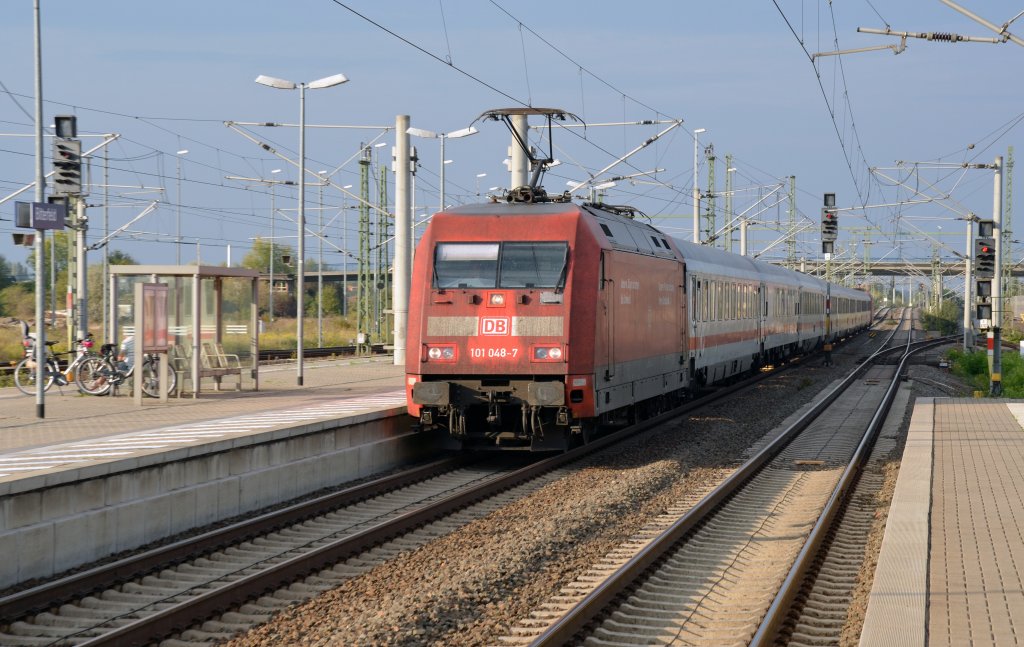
(494, 353)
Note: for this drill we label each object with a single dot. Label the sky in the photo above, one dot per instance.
(886, 133)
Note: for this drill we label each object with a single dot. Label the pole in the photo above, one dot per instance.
(40, 233)
(402, 274)
(177, 236)
(997, 281)
(729, 170)
(270, 290)
(968, 303)
(520, 161)
(300, 266)
(696, 189)
(81, 277)
(320, 271)
(743, 237)
(441, 206)
(106, 336)
(344, 255)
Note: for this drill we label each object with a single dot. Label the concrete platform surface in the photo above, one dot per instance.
(71, 416)
(951, 568)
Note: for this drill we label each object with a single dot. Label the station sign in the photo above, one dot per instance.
(40, 215)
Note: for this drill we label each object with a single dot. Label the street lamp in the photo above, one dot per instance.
(696, 189)
(177, 255)
(300, 275)
(427, 134)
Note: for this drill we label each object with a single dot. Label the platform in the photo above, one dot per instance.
(951, 566)
(101, 475)
(71, 415)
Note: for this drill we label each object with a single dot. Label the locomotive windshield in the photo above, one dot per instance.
(500, 265)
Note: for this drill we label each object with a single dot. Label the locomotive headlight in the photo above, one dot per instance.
(496, 299)
(441, 353)
(547, 354)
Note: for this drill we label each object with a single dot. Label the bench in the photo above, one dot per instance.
(213, 362)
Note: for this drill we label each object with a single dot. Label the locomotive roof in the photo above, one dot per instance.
(513, 208)
(697, 257)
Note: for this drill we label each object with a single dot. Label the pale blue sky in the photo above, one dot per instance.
(166, 76)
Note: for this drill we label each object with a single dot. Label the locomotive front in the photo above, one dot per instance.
(489, 326)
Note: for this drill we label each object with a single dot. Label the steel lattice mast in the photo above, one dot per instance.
(365, 279)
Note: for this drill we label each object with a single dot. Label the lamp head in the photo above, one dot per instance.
(464, 132)
(273, 82)
(419, 132)
(327, 82)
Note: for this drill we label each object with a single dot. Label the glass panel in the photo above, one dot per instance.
(466, 265)
(533, 265)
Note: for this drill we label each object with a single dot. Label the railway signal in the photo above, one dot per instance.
(985, 257)
(829, 223)
(67, 166)
(984, 269)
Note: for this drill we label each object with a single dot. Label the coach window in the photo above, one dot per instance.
(466, 265)
(533, 265)
(705, 310)
(695, 298)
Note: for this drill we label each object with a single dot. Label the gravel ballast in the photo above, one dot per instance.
(472, 585)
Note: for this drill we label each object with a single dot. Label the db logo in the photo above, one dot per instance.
(494, 325)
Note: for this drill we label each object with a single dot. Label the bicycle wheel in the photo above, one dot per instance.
(150, 382)
(93, 376)
(71, 372)
(25, 376)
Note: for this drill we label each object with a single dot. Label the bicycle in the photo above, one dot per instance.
(25, 371)
(101, 375)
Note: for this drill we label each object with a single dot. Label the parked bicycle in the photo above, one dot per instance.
(25, 370)
(101, 375)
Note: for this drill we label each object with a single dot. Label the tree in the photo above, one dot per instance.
(96, 283)
(331, 299)
(56, 246)
(5, 274)
(258, 257)
(18, 301)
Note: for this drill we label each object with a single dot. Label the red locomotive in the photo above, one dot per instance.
(533, 323)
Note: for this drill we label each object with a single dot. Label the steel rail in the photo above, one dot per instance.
(563, 630)
(775, 617)
(62, 590)
(174, 619)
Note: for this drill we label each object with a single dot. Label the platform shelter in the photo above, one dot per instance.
(213, 318)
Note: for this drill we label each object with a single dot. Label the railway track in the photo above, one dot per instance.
(225, 575)
(718, 571)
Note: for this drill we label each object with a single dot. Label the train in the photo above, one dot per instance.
(537, 322)
(534, 325)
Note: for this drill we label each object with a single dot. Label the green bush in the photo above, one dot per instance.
(281, 334)
(973, 369)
